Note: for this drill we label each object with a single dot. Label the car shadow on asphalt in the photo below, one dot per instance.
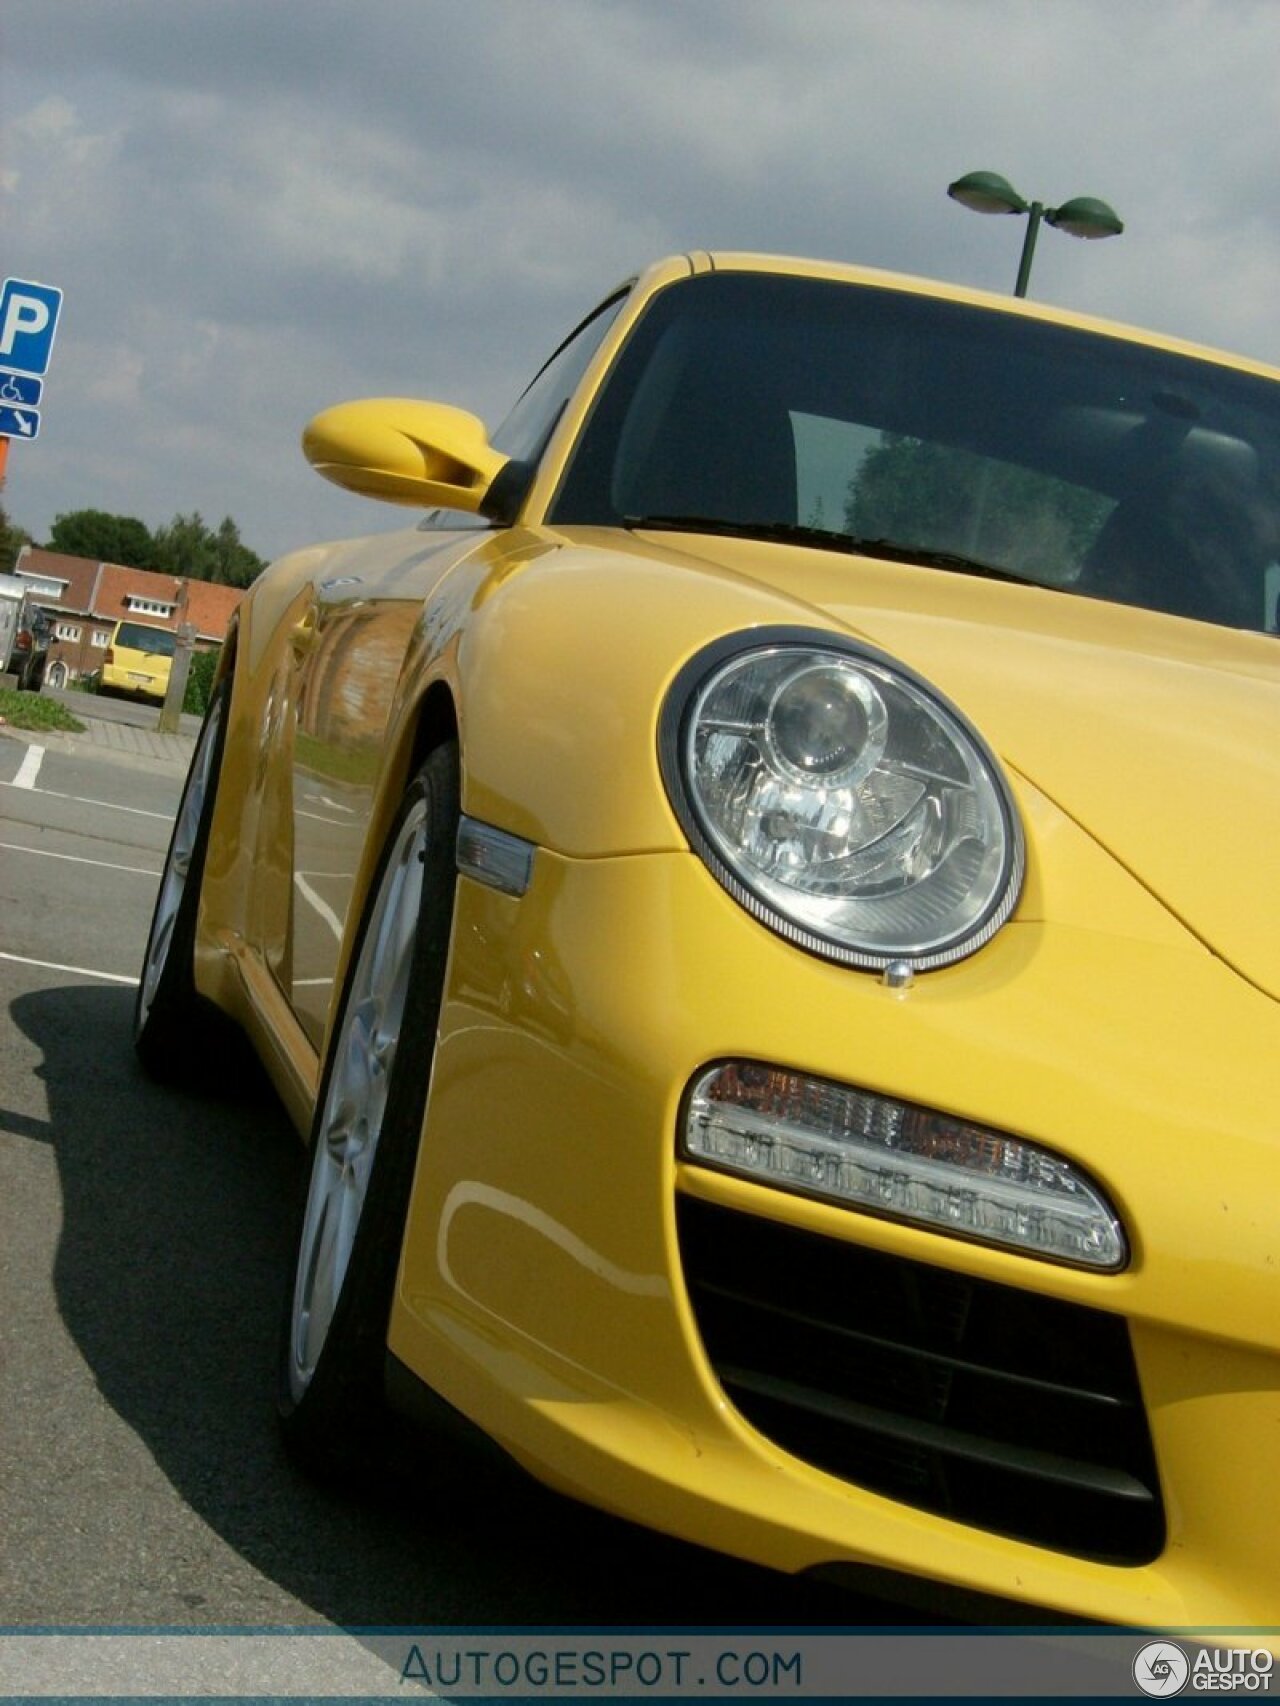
(175, 1242)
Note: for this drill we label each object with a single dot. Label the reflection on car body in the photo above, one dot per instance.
(785, 1016)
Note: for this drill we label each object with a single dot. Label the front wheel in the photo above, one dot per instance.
(365, 1136)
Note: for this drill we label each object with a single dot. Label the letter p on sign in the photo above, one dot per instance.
(28, 319)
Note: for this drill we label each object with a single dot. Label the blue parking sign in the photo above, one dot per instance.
(28, 320)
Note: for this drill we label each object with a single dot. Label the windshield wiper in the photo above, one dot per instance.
(795, 533)
(895, 551)
(783, 532)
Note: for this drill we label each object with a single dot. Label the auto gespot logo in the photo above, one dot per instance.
(1163, 1668)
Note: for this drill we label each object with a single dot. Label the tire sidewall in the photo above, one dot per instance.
(344, 1395)
(167, 1036)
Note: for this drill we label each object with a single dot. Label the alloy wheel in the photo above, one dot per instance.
(355, 1102)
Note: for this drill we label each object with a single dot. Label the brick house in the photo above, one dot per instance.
(86, 599)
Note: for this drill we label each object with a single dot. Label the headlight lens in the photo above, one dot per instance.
(842, 800)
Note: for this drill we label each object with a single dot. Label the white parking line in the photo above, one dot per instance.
(29, 769)
(76, 971)
(84, 799)
(326, 912)
(333, 822)
(75, 859)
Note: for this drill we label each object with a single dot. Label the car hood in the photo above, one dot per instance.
(1157, 735)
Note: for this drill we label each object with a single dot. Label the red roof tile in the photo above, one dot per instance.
(76, 574)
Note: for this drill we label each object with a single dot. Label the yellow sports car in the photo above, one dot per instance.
(763, 904)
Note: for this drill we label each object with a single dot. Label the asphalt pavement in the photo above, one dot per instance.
(145, 1245)
(120, 727)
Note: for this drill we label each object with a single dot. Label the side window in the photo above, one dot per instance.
(527, 428)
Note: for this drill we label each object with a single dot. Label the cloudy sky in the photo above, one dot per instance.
(256, 208)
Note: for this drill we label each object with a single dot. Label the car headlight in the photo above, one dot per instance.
(841, 799)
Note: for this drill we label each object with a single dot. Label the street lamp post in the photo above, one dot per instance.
(1083, 216)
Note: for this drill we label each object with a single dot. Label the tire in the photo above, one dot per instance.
(175, 1030)
(31, 675)
(364, 1140)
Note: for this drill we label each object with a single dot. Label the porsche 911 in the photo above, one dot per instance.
(761, 902)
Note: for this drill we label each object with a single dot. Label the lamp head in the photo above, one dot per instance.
(1085, 216)
(988, 192)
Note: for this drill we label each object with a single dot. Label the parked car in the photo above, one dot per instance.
(762, 907)
(14, 596)
(138, 660)
(30, 654)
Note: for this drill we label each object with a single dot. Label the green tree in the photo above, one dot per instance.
(238, 565)
(12, 539)
(200, 682)
(187, 546)
(104, 538)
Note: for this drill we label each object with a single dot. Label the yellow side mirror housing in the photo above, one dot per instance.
(429, 455)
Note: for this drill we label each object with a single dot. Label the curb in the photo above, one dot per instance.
(168, 752)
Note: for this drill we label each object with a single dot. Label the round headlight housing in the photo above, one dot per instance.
(841, 799)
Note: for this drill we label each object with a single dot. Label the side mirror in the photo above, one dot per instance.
(428, 455)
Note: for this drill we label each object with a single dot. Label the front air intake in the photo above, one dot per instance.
(984, 1403)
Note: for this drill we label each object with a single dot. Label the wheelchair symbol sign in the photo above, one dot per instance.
(20, 389)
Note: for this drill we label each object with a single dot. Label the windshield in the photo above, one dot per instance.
(140, 638)
(956, 436)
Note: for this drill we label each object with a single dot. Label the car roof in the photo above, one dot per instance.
(733, 260)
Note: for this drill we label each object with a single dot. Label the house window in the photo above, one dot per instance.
(100, 637)
(148, 606)
(67, 631)
(41, 585)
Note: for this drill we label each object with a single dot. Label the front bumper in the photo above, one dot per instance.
(136, 681)
(543, 1290)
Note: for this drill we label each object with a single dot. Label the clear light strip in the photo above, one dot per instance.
(890, 1158)
(494, 857)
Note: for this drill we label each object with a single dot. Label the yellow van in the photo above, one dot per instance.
(138, 660)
